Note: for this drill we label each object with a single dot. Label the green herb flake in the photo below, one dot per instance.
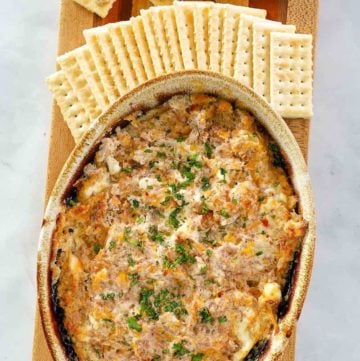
(209, 252)
(146, 304)
(222, 319)
(126, 169)
(107, 296)
(234, 201)
(173, 221)
(161, 155)
(261, 199)
(223, 172)
(134, 278)
(259, 253)
(112, 245)
(133, 324)
(205, 315)
(197, 357)
(194, 162)
(131, 261)
(135, 203)
(148, 150)
(97, 248)
(208, 150)
(156, 358)
(205, 183)
(155, 235)
(158, 177)
(166, 200)
(224, 213)
(180, 139)
(180, 350)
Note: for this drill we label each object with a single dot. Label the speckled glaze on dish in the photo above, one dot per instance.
(147, 96)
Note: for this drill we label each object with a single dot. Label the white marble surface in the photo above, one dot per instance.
(328, 328)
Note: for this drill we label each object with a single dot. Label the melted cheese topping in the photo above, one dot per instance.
(178, 242)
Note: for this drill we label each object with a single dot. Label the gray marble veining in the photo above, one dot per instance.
(328, 328)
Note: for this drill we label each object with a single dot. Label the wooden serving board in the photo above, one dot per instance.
(74, 19)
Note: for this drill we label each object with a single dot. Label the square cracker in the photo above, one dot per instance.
(87, 65)
(291, 74)
(216, 20)
(243, 68)
(172, 36)
(96, 48)
(143, 46)
(107, 48)
(73, 73)
(185, 29)
(156, 17)
(122, 57)
(153, 42)
(71, 108)
(230, 34)
(261, 54)
(201, 30)
(99, 7)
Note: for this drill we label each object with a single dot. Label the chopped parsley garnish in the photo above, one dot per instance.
(224, 213)
(259, 253)
(131, 261)
(194, 162)
(134, 278)
(152, 163)
(205, 183)
(158, 177)
(208, 150)
(180, 350)
(155, 235)
(263, 233)
(234, 201)
(204, 208)
(133, 324)
(135, 203)
(148, 150)
(96, 248)
(173, 221)
(180, 139)
(107, 296)
(223, 172)
(126, 169)
(182, 257)
(146, 304)
(156, 358)
(154, 304)
(197, 357)
(222, 319)
(261, 199)
(205, 315)
(161, 155)
(209, 252)
(166, 200)
(112, 245)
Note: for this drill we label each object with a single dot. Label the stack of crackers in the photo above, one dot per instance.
(233, 40)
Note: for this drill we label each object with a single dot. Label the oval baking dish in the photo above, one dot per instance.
(146, 97)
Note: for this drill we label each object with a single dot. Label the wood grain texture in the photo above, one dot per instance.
(74, 19)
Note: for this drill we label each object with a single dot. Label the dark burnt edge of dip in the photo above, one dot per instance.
(69, 198)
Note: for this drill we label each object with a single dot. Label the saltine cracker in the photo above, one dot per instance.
(99, 7)
(230, 34)
(261, 54)
(291, 72)
(73, 73)
(103, 68)
(71, 108)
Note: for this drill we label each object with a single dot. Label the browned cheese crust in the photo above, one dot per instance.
(179, 239)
